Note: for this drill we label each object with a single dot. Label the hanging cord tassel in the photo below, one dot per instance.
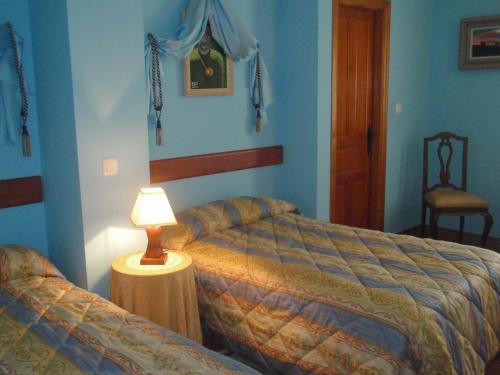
(258, 120)
(159, 133)
(257, 90)
(156, 86)
(26, 142)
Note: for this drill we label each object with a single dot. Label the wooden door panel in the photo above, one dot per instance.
(341, 208)
(349, 160)
(352, 141)
(354, 112)
(361, 42)
(359, 63)
(347, 178)
(359, 203)
(342, 102)
(355, 70)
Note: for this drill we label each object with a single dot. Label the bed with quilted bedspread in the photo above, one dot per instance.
(297, 295)
(49, 326)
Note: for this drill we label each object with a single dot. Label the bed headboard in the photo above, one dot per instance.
(20, 191)
(207, 164)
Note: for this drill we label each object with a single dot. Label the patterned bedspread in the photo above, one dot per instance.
(49, 326)
(297, 295)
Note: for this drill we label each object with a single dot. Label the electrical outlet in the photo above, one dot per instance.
(110, 167)
(399, 107)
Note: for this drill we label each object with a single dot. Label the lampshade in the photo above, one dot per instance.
(152, 209)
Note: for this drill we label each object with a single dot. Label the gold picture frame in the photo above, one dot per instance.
(480, 42)
(208, 70)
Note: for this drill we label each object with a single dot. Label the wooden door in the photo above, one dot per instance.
(353, 133)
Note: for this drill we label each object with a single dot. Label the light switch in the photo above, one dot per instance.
(110, 167)
(399, 107)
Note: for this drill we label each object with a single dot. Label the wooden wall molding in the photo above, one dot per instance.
(20, 191)
(207, 164)
(369, 4)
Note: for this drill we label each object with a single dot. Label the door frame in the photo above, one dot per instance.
(382, 10)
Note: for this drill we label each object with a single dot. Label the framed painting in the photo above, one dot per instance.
(207, 69)
(480, 42)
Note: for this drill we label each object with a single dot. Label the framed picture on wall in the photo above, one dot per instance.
(207, 69)
(480, 42)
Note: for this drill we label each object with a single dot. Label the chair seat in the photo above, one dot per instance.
(454, 199)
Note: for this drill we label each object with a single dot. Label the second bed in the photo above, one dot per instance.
(297, 295)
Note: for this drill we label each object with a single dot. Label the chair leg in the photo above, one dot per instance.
(422, 223)
(461, 233)
(434, 224)
(488, 222)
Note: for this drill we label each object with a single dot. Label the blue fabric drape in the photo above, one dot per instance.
(228, 31)
(10, 98)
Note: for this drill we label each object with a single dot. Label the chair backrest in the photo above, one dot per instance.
(445, 142)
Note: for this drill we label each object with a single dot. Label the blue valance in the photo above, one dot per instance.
(10, 98)
(229, 32)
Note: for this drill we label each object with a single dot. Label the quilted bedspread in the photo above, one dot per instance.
(49, 326)
(298, 295)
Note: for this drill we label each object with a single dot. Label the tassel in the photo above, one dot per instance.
(258, 88)
(26, 142)
(258, 120)
(159, 135)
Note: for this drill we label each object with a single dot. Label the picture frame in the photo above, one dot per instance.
(208, 70)
(480, 42)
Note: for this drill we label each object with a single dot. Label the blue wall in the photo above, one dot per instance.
(424, 34)
(109, 94)
(298, 102)
(198, 125)
(58, 138)
(109, 91)
(467, 102)
(297, 35)
(92, 108)
(410, 85)
(92, 105)
(25, 224)
(306, 106)
(324, 109)
(297, 85)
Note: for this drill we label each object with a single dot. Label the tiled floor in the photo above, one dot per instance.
(493, 367)
(451, 235)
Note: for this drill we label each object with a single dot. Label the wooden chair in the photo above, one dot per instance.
(445, 198)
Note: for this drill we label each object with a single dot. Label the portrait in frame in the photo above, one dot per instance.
(208, 70)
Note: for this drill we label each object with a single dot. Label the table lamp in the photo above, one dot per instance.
(151, 211)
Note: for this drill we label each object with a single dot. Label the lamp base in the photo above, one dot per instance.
(149, 261)
(154, 252)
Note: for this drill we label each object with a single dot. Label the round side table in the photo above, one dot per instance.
(164, 294)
